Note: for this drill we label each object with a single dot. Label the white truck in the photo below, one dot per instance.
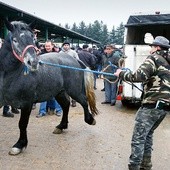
(136, 50)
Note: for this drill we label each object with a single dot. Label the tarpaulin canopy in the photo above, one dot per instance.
(138, 25)
(156, 19)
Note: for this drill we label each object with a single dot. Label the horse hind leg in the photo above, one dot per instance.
(88, 117)
(64, 100)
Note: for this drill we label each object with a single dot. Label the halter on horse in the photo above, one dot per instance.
(42, 82)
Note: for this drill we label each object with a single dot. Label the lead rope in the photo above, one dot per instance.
(102, 77)
(121, 62)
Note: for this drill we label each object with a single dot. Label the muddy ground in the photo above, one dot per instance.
(105, 146)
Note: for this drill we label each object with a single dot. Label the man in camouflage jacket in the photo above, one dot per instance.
(155, 75)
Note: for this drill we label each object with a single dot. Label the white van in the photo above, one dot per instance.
(136, 50)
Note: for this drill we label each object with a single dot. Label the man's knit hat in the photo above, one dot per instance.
(66, 42)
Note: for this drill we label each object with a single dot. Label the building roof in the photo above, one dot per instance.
(53, 30)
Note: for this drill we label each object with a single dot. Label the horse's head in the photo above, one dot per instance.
(23, 43)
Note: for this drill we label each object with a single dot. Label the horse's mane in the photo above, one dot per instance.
(20, 25)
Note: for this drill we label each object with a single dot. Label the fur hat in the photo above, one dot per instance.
(160, 41)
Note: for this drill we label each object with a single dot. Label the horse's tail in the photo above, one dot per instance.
(89, 88)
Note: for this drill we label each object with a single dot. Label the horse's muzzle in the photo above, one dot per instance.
(34, 65)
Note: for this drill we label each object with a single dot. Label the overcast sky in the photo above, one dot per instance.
(111, 12)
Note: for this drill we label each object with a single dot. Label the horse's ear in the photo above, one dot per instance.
(8, 25)
(32, 24)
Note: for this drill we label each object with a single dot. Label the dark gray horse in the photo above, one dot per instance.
(24, 81)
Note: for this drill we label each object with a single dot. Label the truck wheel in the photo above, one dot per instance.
(125, 102)
(129, 103)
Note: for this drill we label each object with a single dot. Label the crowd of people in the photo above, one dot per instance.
(94, 58)
(154, 72)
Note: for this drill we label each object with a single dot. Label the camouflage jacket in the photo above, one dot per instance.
(155, 75)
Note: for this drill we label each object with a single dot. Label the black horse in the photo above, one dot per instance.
(24, 81)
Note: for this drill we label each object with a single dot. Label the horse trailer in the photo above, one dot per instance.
(140, 30)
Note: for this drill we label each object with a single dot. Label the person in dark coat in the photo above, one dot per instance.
(87, 58)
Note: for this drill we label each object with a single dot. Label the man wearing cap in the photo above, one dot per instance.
(35, 31)
(66, 49)
(154, 72)
(112, 57)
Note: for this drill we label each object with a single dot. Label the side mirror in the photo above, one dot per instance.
(148, 39)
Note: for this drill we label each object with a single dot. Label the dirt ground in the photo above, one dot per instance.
(105, 146)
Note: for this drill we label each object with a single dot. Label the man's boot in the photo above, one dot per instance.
(146, 163)
(73, 103)
(14, 110)
(51, 111)
(133, 167)
(6, 112)
(34, 106)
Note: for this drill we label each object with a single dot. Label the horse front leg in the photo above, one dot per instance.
(22, 141)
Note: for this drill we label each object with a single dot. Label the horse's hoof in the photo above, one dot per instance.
(15, 151)
(57, 131)
(94, 122)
